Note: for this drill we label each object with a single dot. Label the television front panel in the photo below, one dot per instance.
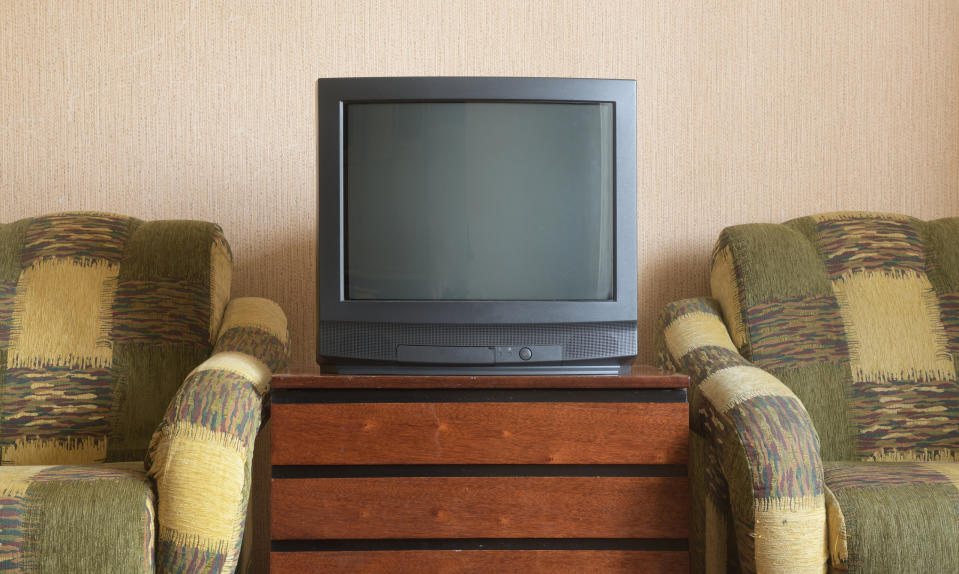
(481, 223)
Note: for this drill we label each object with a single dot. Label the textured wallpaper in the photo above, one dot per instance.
(751, 110)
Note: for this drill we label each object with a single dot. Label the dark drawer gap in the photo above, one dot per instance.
(445, 470)
(332, 396)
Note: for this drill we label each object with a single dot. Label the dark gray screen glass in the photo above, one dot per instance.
(479, 201)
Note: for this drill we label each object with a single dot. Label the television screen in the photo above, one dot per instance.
(484, 201)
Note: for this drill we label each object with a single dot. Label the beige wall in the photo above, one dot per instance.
(749, 110)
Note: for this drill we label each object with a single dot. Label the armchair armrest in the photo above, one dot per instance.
(759, 458)
(201, 454)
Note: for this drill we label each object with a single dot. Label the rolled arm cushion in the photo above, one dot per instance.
(762, 460)
(201, 453)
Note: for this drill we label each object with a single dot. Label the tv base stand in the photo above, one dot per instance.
(430, 473)
(592, 369)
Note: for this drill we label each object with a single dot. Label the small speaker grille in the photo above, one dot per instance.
(377, 341)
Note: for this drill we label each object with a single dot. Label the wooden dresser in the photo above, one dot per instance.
(480, 474)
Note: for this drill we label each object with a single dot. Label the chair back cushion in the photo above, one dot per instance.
(858, 313)
(101, 318)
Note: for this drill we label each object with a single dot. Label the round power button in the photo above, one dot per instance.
(525, 353)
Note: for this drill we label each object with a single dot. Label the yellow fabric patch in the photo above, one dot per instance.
(836, 530)
(722, 285)
(14, 480)
(200, 488)
(246, 366)
(695, 330)
(87, 450)
(893, 327)
(63, 314)
(716, 533)
(221, 275)
(791, 535)
(727, 388)
(256, 312)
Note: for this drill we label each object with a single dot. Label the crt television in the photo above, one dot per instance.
(476, 225)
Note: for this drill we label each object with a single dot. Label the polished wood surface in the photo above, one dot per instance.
(480, 433)
(480, 507)
(641, 377)
(483, 562)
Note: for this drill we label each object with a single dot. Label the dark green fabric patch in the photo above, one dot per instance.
(697, 504)
(88, 525)
(8, 294)
(807, 226)
(941, 239)
(775, 262)
(822, 389)
(148, 377)
(11, 248)
(170, 250)
(912, 528)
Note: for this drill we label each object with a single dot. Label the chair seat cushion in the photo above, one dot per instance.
(95, 518)
(893, 517)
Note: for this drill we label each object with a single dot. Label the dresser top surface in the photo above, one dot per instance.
(640, 377)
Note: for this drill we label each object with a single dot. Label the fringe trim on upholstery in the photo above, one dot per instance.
(25, 451)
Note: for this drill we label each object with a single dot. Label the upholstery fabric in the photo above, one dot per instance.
(101, 318)
(202, 452)
(893, 517)
(755, 467)
(829, 338)
(119, 342)
(76, 518)
(853, 312)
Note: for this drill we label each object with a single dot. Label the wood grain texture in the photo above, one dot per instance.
(483, 562)
(480, 433)
(748, 111)
(640, 377)
(487, 507)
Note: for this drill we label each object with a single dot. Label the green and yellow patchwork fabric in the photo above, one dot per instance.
(856, 315)
(78, 518)
(893, 517)
(754, 464)
(201, 454)
(102, 320)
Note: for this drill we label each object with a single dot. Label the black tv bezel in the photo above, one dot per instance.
(334, 93)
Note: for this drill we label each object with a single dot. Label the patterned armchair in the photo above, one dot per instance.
(824, 402)
(119, 344)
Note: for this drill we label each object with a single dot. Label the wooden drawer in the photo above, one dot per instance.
(480, 507)
(467, 474)
(480, 433)
(483, 562)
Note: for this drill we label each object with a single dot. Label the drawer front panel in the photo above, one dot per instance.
(475, 561)
(480, 433)
(480, 507)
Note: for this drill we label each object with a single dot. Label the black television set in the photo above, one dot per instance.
(476, 225)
